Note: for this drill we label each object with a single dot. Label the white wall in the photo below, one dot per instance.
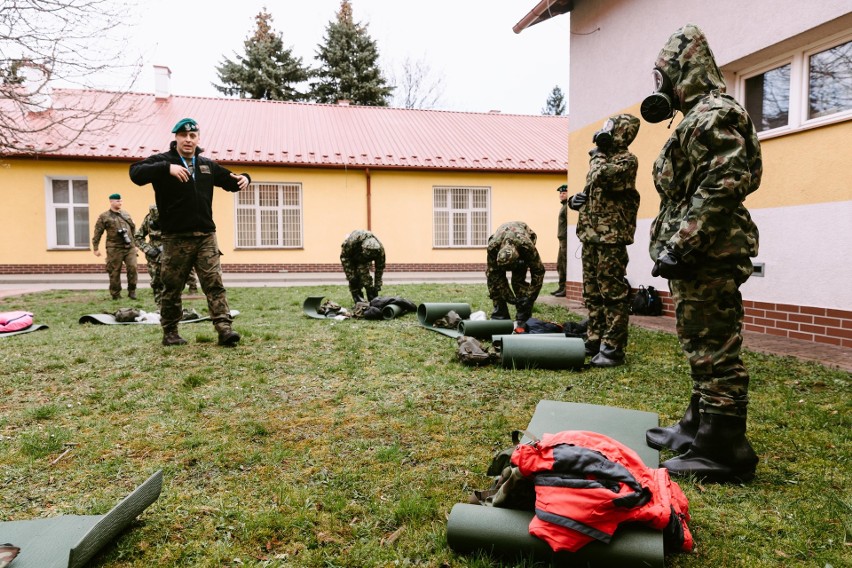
(614, 43)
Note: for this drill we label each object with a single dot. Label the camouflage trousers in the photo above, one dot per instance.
(180, 255)
(709, 316)
(498, 285)
(362, 278)
(155, 271)
(605, 293)
(562, 262)
(115, 257)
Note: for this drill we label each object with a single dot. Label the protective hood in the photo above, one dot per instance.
(688, 62)
(624, 129)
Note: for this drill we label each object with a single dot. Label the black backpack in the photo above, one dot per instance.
(646, 302)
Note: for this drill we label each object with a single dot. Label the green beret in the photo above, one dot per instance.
(562, 188)
(185, 125)
(115, 196)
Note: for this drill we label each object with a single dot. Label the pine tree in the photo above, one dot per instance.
(555, 102)
(349, 64)
(267, 71)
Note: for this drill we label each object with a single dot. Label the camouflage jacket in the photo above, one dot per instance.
(562, 227)
(518, 234)
(149, 228)
(609, 214)
(351, 256)
(709, 165)
(110, 222)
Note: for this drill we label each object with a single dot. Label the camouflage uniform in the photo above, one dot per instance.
(516, 236)
(562, 235)
(188, 234)
(152, 246)
(606, 225)
(707, 168)
(359, 250)
(118, 252)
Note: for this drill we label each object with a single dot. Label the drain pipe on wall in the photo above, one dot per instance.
(369, 200)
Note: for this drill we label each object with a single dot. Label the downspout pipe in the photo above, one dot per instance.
(369, 199)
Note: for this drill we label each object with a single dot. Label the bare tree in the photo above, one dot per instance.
(51, 51)
(416, 86)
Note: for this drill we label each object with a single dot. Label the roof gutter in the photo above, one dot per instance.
(544, 10)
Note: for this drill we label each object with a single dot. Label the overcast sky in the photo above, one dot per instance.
(469, 44)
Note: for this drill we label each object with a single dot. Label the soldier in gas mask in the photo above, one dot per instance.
(512, 248)
(608, 205)
(702, 242)
(361, 250)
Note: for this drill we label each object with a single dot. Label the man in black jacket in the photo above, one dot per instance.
(183, 183)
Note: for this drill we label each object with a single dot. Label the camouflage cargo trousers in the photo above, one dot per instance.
(180, 255)
(363, 278)
(155, 271)
(562, 262)
(709, 315)
(498, 284)
(115, 257)
(605, 293)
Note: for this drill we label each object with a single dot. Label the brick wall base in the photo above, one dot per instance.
(98, 268)
(808, 323)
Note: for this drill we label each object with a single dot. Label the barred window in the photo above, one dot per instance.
(269, 215)
(68, 213)
(460, 216)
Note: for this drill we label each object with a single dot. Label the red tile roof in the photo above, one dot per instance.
(315, 135)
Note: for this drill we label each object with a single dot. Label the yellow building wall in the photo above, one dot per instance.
(334, 202)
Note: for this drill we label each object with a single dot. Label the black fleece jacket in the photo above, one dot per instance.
(185, 207)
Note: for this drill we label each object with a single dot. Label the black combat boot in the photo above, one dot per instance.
(356, 295)
(720, 453)
(592, 347)
(172, 338)
(559, 292)
(501, 311)
(372, 294)
(680, 436)
(131, 294)
(227, 336)
(608, 357)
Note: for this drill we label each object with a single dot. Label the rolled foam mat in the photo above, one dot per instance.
(311, 305)
(391, 311)
(484, 329)
(505, 532)
(109, 319)
(429, 312)
(34, 327)
(541, 351)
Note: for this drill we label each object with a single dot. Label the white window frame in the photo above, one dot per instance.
(799, 60)
(254, 189)
(52, 207)
(449, 209)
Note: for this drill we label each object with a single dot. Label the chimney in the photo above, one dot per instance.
(162, 76)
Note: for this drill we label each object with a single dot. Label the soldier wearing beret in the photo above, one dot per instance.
(119, 229)
(361, 250)
(512, 248)
(183, 183)
(562, 235)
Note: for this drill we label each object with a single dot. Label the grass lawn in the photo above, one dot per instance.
(320, 443)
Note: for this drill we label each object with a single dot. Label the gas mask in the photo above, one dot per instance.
(660, 105)
(603, 137)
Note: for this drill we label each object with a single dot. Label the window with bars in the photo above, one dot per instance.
(460, 216)
(68, 213)
(269, 215)
(809, 86)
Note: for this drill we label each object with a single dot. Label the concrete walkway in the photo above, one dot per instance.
(829, 355)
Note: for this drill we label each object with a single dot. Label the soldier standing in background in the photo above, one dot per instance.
(119, 230)
(702, 242)
(608, 206)
(360, 250)
(183, 183)
(562, 235)
(152, 246)
(512, 248)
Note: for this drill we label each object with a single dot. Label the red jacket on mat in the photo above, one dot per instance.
(587, 484)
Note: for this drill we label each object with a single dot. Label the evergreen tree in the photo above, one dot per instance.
(349, 64)
(555, 102)
(267, 71)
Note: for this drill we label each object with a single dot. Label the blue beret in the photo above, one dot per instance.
(185, 125)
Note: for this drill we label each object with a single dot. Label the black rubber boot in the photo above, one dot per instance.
(372, 294)
(501, 311)
(608, 357)
(559, 293)
(592, 347)
(680, 436)
(720, 453)
(356, 295)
